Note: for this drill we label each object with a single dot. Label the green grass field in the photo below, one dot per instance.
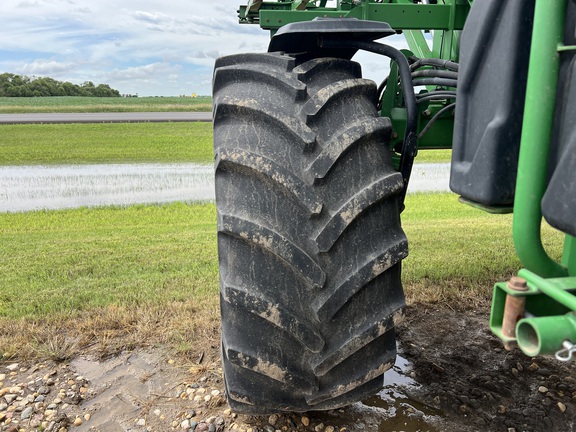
(105, 143)
(111, 277)
(96, 104)
(51, 144)
(71, 260)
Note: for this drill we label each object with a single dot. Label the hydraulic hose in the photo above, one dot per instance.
(443, 82)
(435, 95)
(435, 73)
(446, 64)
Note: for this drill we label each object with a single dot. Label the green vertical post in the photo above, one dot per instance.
(569, 254)
(535, 141)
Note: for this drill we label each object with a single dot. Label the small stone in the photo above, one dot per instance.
(185, 424)
(215, 393)
(10, 398)
(2, 376)
(273, 419)
(561, 407)
(2, 416)
(3, 406)
(533, 367)
(193, 424)
(13, 367)
(319, 428)
(77, 421)
(201, 427)
(227, 411)
(212, 428)
(43, 390)
(201, 390)
(519, 366)
(87, 416)
(207, 398)
(141, 422)
(26, 413)
(305, 421)
(157, 412)
(15, 390)
(515, 372)
(329, 429)
(543, 389)
(57, 401)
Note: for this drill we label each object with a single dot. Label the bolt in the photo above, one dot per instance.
(517, 284)
(426, 113)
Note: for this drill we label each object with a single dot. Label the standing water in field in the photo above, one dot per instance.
(25, 188)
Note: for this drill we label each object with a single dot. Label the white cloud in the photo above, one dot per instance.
(144, 72)
(150, 47)
(45, 67)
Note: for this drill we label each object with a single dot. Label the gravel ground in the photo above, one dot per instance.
(452, 375)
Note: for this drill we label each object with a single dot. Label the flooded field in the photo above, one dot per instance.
(25, 188)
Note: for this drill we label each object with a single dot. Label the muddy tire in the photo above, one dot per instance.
(309, 237)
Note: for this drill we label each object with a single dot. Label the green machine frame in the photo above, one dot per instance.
(535, 310)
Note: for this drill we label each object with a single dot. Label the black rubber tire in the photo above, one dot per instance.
(309, 237)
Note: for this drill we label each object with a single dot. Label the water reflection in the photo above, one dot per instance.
(25, 188)
(67, 186)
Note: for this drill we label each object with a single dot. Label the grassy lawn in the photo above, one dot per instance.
(82, 273)
(104, 104)
(433, 156)
(51, 144)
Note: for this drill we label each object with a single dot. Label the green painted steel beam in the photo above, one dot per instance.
(535, 141)
(399, 16)
(553, 288)
(417, 43)
(569, 255)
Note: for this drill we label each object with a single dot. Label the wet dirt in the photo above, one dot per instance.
(451, 375)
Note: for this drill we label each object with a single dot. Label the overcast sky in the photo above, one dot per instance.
(149, 47)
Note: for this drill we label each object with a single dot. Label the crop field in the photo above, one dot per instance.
(79, 104)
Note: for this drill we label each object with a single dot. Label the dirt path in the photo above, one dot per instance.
(452, 374)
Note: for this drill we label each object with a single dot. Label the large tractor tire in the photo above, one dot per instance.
(309, 237)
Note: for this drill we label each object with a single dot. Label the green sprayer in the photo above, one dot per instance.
(313, 162)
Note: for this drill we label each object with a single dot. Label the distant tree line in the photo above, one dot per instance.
(13, 85)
